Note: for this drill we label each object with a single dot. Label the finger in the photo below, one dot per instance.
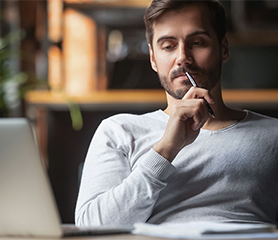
(195, 109)
(196, 92)
(208, 98)
(189, 108)
(200, 116)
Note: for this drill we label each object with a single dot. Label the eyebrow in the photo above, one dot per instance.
(166, 37)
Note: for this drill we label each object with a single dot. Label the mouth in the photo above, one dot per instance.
(183, 77)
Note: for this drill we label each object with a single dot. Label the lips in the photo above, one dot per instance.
(181, 73)
(181, 76)
(181, 79)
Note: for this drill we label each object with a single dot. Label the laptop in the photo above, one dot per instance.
(27, 204)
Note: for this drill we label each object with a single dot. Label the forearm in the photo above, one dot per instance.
(130, 201)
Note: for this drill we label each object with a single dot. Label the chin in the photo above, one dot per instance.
(178, 94)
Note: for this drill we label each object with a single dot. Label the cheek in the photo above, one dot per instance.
(164, 63)
(206, 57)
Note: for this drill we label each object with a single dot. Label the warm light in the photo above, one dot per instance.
(55, 15)
(80, 53)
(55, 76)
(115, 3)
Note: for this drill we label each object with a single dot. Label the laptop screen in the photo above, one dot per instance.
(27, 205)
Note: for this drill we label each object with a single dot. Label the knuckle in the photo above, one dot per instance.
(201, 103)
(176, 105)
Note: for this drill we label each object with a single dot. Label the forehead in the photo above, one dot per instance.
(183, 21)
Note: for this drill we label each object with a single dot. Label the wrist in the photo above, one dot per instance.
(165, 151)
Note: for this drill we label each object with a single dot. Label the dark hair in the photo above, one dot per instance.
(158, 7)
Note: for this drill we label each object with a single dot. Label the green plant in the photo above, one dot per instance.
(13, 86)
(10, 82)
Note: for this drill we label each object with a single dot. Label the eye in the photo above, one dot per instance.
(168, 46)
(196, 44)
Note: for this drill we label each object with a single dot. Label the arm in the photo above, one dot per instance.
(187, 117)
(113, 192)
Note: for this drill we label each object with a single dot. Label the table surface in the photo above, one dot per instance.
(114, 237)
(100, 237)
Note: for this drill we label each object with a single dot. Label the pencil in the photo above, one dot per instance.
(195, 85)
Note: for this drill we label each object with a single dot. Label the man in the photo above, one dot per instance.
(181, 164)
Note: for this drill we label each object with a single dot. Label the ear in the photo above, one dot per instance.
(152, 59)
(225, 50)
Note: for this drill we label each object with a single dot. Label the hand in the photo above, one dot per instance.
(187, 117)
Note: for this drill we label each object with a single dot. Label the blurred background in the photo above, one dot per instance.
(67, 64)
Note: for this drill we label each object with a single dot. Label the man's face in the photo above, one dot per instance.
(185, 41)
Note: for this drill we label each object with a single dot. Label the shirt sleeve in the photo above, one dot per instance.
(112, 192)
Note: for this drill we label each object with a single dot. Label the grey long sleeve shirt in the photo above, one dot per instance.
(228, 175)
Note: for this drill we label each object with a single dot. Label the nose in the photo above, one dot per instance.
(184, 56)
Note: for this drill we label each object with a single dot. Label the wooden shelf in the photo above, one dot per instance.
(109, 96)
(255, 96)
(252, 98)
(265, 98)
(111, 3)
(256, 38)
(110, 99)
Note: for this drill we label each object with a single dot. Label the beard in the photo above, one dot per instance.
(210, 76)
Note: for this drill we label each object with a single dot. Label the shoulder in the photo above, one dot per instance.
(126, 128)
(125, 119)
(261, 121)
(253, 116)
(133, 123)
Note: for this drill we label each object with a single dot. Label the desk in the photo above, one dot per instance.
(113, 237)
(103, 237)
